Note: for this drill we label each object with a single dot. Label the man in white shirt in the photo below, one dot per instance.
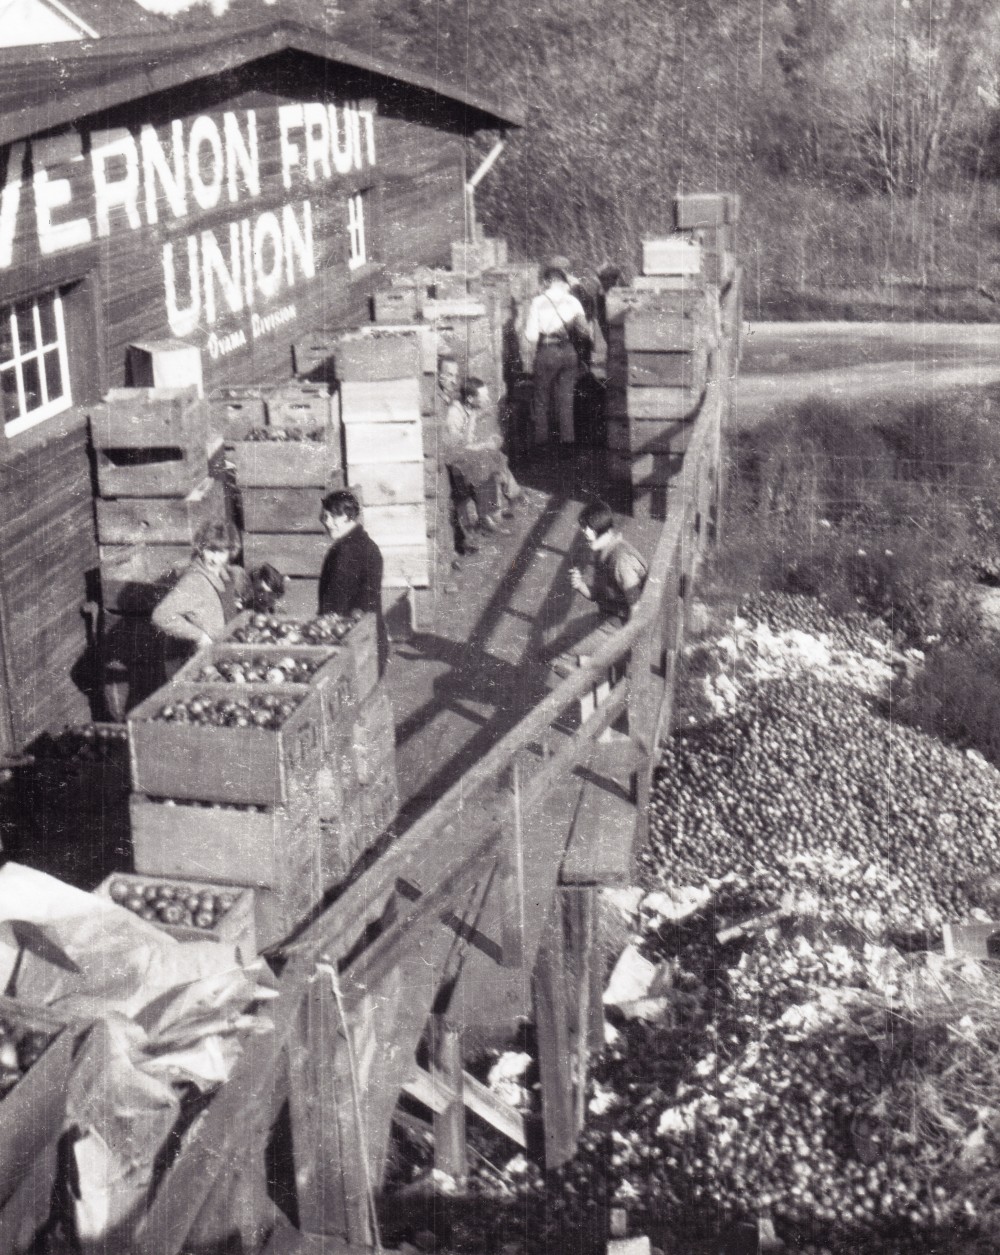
(555, 333)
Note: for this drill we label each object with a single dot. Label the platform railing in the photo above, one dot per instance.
(360, 983)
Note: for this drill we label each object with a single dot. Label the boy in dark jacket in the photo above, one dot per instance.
(350, 582)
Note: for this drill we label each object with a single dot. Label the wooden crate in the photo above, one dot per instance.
(33, 1113)
(405, 566)
(281, 510)
(150, 418)
(301, 597)
(652, 404)
(659, 438)
(293, 553)
(385, 401)
(657, 332)
(395, 304)
(312, 358)
(701, 209)
(235, 412)
(396, 524)
(246, 845)
(672, 255)
(236, 927)
(306, 405)
(361, 643)
(328, 659)
(668, 370)
(167, 471)
(164, 364)
(160, 520)
(280, 911)
(390, 483)
(250, 765)
(450, 310)
(135, 577)
(285, 464)
(364, 356)
(382, 443)
(686, 302)
(647, 468)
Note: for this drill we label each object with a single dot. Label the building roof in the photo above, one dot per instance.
(116, 17)
(30, 22)
(46, 86)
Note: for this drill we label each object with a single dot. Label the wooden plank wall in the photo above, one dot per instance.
(46, 525)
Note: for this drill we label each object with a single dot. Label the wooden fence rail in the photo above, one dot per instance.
(445, 905)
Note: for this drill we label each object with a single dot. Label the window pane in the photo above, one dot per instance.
(8, 393)
(6, 343)
(25, 326)
(53, 375)
(32, 385)
(47, 316)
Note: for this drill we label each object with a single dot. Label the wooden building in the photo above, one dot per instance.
(234, 188)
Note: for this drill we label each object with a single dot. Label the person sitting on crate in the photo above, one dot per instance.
(619, 572)
(475, 453)
(350, 581)
(557, 336)
(209, 593)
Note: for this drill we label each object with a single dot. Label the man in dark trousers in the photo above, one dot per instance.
(350, 582)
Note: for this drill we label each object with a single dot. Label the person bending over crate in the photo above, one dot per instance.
(350, 582)
(619, 571)
(209, 593)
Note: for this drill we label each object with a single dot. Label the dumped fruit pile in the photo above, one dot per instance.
(260, 710)
(268, 629)
(20, 1049)
(172, 904)
(286, 435)
(844, 1089)
(818, 1062)
(812, 782)
(286, 670)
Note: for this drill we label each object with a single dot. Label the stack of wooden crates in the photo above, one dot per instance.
(283, 443)
(386, 387)
(287, 812)
(661, 334)
(154, 491)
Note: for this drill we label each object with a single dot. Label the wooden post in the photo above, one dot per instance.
(329, 1171)
(450, 1149)
(549, 989)
(512, 878)
(587, 1009)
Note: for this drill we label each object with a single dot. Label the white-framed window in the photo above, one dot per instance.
(34, 365)
(357, 254)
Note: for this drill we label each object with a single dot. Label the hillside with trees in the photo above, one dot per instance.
(864, 135)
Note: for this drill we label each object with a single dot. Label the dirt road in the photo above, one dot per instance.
(788, 362)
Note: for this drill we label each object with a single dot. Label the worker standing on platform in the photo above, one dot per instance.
(350, 582)
(557, 337)
(620, 571)
(475, 453)
(209, 593)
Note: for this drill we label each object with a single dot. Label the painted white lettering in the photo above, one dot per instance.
(214, 267)
(117, 147)
(206, 185)
(267, 231)
(242, 154)
(368, 117)
(10, 200)
(221, 346)
(156, 168)
(298, 242)
(182, 321)
(343, 157)
(56, 194)
(317, 129)
(264, 324)
(247, 245)
(355, 137)
(290, 117)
